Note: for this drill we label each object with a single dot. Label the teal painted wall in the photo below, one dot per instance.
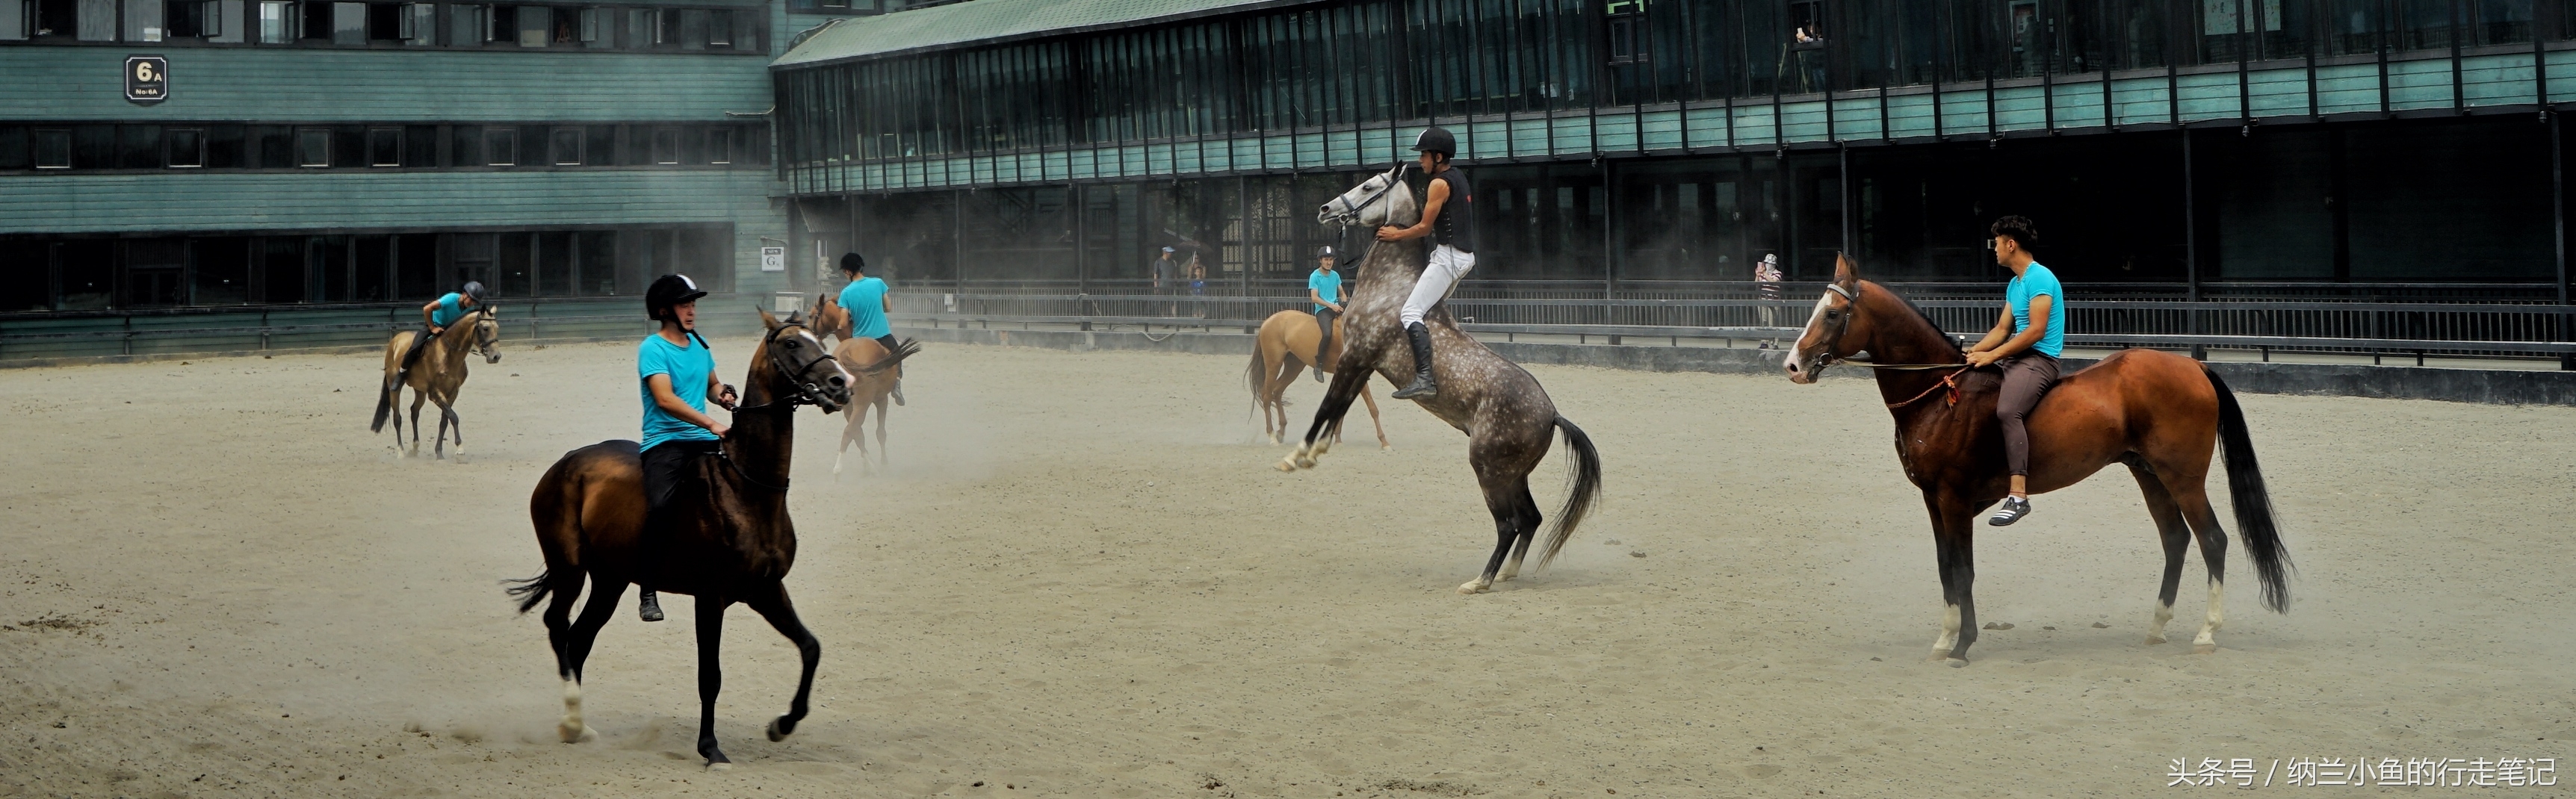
(428, 85)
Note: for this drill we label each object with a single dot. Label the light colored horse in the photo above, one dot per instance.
(1508, 418)
(1287, 340)
(435, 377)
(874, 372)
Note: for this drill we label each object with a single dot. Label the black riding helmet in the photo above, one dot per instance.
(853, 264)
(1324, 252)
(1437, 140)
(473, 290)
(667, 291)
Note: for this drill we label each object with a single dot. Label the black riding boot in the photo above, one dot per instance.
(1423, 385)
(648, 605)
(1320, 349)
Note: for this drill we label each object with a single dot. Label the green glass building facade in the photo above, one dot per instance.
(2181, 146)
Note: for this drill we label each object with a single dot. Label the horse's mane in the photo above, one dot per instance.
(1919, 313)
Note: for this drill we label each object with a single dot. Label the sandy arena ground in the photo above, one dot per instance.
(1081, 578)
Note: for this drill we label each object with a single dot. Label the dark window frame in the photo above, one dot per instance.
(305, 156)
(384, 133)
(170, 143)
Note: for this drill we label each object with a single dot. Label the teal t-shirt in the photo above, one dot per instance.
(2037, 281)
(865, 298)
(1327, 285)
(688, 367)
(450, 309)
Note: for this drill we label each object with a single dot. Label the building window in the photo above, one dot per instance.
(720, 146)
(598, 27)
(53, 149)
(564, 145)
(501, 147)
(384, 147)
(187, 148)
(533, 24)
(276, 22)
(500, 23)
(666, 146)
(193, 19)
(720, 28)
(312, 147)
(1627, 31)
(419, 24)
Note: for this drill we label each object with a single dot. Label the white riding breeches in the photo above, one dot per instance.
(1447, 267)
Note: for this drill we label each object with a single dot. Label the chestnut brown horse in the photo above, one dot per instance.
(1279, 354)
(2158, 413)
(1508, 418)
(876, 370)
(730, 541)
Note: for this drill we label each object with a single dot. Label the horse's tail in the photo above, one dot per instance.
(903, 349)
(533, 591)
(2252, 501)
(1581, 496)
(384, 406)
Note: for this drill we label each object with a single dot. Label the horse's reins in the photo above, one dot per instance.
(807, 393)
(1350, 211)
(1949, 381)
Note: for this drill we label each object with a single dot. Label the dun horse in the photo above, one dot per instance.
(435, 377)
(1508, 419)
(2157, 413)
(731, 540)
(1286, 340)
(877, 371)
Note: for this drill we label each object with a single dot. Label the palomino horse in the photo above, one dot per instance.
(730, 541)
(1286, 338)
(1508, 419)
(876, 370)
(2158, 413)
(435, 377)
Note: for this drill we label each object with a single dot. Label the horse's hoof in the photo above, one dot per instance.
(2154, 640)
(1287, 465)
(719, 765)
(1305, 462)
(776, 734)
(575, 734)
(1956, 663)
(1473, 587)
(2204, 649)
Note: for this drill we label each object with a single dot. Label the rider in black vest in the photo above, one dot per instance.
(1448, 217)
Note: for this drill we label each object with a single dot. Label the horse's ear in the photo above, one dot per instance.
(1846, 273)
(767, 320)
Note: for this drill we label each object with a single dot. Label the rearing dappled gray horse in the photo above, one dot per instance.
(1508, 419)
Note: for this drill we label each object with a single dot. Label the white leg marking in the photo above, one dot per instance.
(1475, 586)
(2156, 628)
(1511, 569)
(1949, 633)
(2207, 640)
(572, 730)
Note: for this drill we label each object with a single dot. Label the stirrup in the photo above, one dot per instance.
(649, 607)
(2012, 510)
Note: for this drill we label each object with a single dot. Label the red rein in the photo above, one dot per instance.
(1949, 381)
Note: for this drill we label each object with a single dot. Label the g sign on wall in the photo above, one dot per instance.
(147, 79)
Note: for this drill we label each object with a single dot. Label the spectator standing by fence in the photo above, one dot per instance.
(1766, 286)
(1166, 271)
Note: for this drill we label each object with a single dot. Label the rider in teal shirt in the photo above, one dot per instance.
(1324, 288)
(2024, 344)
(865, 299)
(676, 376)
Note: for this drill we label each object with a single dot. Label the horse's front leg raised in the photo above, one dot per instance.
(1346, 386)
(710, 677)
(782, 615)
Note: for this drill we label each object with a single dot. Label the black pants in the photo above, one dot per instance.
(888, 341)
(1323, 343)
(669, 468)
(2026, 377)
(419, 344)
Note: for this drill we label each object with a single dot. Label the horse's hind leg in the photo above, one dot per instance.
(1373, 419)
(782, 615)
(1346, 386)
(2176, 537)
(604, 595)
(710, 677)
(882, 459)
(418, 398)
(849, 432)
(2194, 499)
(1529, 520)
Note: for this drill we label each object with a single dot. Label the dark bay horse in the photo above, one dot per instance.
(1279, 353)
(733, 541)
(1508, 418)
(436, 377)
(2158, 413)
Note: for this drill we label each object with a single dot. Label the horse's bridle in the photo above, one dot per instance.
(1350, 212)
(1851, 301)
(808, 390)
